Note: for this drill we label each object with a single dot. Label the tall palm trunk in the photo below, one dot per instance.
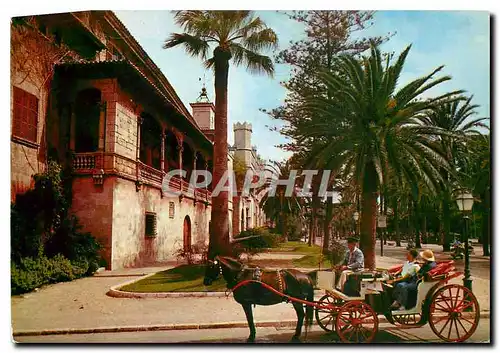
(219, 237)
(417, 224)
(314, 220)
(369, 215)
(396, 223)
(326, 226)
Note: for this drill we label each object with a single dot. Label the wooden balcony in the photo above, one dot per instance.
(89, 163)
(150, 174)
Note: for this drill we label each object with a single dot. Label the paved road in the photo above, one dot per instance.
(387, 334)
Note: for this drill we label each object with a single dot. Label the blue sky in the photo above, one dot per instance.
(457, 39)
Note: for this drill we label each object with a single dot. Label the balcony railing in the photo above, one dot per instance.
(89, 162)
(148, 173)
(86, 161)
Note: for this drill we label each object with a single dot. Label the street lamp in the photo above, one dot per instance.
(356, 217)
(465, 201)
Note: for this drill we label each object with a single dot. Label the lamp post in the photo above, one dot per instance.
(465, 201)
(356, 217)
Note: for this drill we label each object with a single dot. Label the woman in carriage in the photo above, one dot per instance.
(408, 283)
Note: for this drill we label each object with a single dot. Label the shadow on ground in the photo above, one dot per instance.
(312, 338)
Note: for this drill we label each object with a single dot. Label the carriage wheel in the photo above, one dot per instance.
(326, 318)
(454, 313)
(356, 322)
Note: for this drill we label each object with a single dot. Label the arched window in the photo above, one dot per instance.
(87, 114)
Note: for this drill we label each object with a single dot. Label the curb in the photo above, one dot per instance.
(173, 327)
(115, 292)
(168, 327)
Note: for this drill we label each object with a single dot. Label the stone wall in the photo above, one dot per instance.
(27, 159)
(93, 205)
(125, 136)
(131, 248)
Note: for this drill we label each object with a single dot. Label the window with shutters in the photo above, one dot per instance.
(25, 117)
(150, 224)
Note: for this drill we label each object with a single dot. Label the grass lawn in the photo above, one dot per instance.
(312, 261)
(189, 278)
(296, 247)
(185, 278)
(312, 254)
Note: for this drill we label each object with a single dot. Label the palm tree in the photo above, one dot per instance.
(280, 207)
(454, 118)
(368, 126)
(475, 173)
(239, 36)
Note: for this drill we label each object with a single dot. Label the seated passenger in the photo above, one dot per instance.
(408, 276)
(429, 263)
(354, 261)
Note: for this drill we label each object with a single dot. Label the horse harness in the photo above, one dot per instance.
(257, 276)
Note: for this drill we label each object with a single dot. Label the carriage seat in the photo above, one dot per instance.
(442, 270)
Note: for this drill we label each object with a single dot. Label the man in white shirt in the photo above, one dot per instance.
(408, 276)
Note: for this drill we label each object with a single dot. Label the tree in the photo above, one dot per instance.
(368, 126)
(452, 117)
(475, 173)
(280, 208)
(239, 36)
(328, 34)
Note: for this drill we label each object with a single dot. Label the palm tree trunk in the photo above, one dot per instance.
(396, 223)
(236, 215)
(219, 237)
(424, 228)
(326, 226)
(417, 225)
(369, 215)
(285, 228)
(311, 229)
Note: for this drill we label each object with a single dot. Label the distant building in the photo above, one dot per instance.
(244, 213)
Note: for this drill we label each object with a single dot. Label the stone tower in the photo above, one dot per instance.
(204, 113)
(243, 142)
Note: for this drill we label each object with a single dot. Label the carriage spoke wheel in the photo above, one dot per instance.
(410, 320)
(454, 313)
(326, 317)
(356, 322)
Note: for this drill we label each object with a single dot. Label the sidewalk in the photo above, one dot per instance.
(83, 304)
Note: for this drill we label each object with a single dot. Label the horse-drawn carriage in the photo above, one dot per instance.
(451, 309)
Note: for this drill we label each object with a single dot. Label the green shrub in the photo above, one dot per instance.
(262, 239)
(336, 251)
(47, 244)
(32, 273)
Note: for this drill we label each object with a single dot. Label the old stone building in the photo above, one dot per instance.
(86, 94)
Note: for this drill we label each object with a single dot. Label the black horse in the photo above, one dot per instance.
(290, 282)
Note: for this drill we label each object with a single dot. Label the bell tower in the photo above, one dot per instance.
(204, 111)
